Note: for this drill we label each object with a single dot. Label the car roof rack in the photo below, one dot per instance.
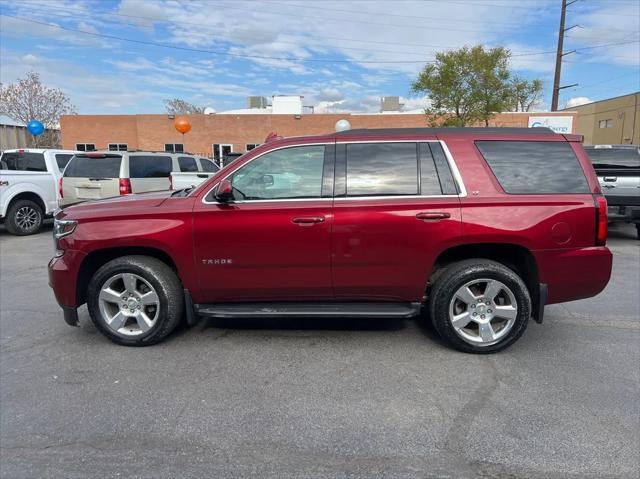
(433, 131)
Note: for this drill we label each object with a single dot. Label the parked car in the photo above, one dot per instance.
(29, 187)
(181, 180)
(618, 170)
(104, 174)
(478, 229)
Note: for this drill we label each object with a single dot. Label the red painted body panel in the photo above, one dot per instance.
(266, 255)
(382, 251)
(365, 249)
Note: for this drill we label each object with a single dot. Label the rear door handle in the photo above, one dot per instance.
(308, 220)
(610, 179)
(433, 215)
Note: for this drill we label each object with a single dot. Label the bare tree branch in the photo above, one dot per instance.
(28, 99)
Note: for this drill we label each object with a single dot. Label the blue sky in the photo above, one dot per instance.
(341, 55)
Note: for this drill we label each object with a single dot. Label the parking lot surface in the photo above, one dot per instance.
(305, 398)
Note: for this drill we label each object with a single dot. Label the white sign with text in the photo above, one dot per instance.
(559, 124)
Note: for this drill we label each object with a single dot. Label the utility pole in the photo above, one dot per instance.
(559, 55)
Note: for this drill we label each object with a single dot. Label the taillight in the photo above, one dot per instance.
(170, 182)
(60, 190)
(601, 221)
(125, 186)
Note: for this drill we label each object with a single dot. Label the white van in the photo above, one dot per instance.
(103, 174)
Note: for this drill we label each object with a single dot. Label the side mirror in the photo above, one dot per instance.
(224, 192)
(267, 180)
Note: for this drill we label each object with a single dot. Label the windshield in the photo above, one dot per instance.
(103, 166)
(614, 157)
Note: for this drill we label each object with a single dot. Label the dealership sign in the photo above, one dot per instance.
(559, 124)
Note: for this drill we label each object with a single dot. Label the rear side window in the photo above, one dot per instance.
(208, 165)
(381, 169)
(62, 160)
(141, 166)
(534, 167)
(24, 161)
(428, 178)
(107, 166)
(187, 163)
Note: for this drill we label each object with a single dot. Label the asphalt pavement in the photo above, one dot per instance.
(315, 399)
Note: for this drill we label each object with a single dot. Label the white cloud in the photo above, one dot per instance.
(577, 101)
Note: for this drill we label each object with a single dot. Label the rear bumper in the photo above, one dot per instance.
(623, 213)
(63, 274)
(574, 274)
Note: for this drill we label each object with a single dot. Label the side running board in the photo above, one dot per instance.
(310, 310)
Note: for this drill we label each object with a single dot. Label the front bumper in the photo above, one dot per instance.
(63, 277)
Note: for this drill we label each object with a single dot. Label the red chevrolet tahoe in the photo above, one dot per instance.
(476, 229)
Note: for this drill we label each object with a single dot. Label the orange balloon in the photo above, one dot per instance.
(182, 125)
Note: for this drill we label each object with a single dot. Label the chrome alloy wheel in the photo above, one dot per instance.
(26, 218)
(483, 311)
(128, 304)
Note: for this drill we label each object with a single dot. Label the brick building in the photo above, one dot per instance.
(236, 131)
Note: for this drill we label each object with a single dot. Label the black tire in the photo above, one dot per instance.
(15, 220)
(456, 276)
(638, 230)
(166, 284)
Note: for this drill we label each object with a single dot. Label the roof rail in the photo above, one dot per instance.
(433, 131)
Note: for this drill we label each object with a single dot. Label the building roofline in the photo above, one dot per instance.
(600, 101)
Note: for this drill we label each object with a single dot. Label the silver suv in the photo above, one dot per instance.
(104, 174)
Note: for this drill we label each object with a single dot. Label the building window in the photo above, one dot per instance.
(221, 150)
(605, 123)
(174, 147)
(251, 146)
(85, 146)
(117, 147)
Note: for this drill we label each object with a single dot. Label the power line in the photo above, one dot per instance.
(182, 22)
(387, 14)
(515, 54)
(215, 52)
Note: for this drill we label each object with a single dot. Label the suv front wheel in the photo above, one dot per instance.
(479, 306)
(135, 300)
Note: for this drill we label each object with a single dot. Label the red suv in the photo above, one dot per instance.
(476, 228)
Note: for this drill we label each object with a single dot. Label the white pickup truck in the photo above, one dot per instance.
(29, 183)
(181, 180)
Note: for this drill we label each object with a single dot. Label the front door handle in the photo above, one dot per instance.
(308, 220)
(433, 215)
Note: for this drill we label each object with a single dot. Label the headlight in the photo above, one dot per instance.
(62, 228)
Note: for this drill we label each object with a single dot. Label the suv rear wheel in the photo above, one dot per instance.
(479, 306)
(135, 300)
(24, 217)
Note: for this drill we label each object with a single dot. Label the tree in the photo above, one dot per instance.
(177, 106)
(467, 85)
(28, 99)
(524, 93)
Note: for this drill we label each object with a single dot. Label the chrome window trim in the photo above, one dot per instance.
(324, 143)
(452, 166)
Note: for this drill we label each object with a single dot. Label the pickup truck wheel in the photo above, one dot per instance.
(135, 300)
(480, 306)
(24, 217)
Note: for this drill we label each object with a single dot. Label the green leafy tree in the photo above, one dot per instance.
(524, 93)
(466, 86)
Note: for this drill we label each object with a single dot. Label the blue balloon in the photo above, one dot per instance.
(35, 127)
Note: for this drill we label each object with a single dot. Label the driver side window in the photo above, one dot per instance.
(281, 174)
